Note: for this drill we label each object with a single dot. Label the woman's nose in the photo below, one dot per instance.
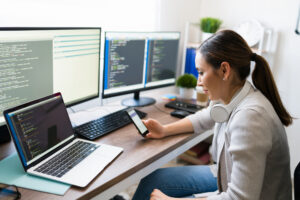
(199, 82)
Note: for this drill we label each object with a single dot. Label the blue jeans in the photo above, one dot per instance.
(177, 182)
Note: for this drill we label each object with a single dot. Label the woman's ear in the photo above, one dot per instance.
(225, 70)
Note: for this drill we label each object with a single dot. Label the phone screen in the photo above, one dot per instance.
(137, 122)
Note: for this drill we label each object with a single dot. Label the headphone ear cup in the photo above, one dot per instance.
(219, 113)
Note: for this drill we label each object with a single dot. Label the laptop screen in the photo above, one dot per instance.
(39, 127)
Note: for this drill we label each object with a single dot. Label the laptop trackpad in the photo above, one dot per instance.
(83, 173)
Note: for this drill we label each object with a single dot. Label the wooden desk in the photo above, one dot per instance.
(140, 157)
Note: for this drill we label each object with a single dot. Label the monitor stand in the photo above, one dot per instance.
(4, 134)
(136, 101)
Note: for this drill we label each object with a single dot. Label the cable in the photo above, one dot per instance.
(161, 110)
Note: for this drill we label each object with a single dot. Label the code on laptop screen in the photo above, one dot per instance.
(39, 128)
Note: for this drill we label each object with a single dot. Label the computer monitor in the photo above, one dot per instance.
(137, 61)
(36, 62)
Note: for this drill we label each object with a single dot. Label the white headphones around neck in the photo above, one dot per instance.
(220, 113)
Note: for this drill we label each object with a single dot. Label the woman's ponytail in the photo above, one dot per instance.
(263, 80)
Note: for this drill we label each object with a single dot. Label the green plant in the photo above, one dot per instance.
(210, 25)
(186, 81)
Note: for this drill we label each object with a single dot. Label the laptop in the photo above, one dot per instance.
(48, 147)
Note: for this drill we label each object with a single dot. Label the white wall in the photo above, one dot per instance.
(112, 14)
(173, 15)
(129, 15)
(282, 16)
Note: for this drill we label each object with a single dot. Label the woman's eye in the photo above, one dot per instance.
(200, 73)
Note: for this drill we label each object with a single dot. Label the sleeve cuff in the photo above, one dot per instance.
(201, 120)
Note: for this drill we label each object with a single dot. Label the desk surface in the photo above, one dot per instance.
(138, 153)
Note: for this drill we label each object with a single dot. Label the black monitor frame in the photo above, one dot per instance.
(4, 134)
(136, 92)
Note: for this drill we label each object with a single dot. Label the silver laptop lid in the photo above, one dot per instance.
(39, 128)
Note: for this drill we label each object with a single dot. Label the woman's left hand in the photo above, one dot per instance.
(158, 195)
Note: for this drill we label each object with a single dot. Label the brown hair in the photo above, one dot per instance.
(229, 46)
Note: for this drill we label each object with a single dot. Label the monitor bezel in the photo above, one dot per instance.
(104, 96)
(66, 28)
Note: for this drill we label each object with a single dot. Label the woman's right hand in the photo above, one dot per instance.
(156, 130)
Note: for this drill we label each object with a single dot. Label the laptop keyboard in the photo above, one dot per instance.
(106, 124)
(67, 159)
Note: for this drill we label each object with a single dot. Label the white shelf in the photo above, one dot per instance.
(264, 46)
(187, 36)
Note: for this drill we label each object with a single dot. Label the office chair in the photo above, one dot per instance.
(297, 182)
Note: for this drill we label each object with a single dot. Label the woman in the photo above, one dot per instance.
(249, 145)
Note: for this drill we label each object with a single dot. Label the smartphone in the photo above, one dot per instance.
(137, 122)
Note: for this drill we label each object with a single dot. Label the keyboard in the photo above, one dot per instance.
(106, 124)
(67, 159)
(180, 105)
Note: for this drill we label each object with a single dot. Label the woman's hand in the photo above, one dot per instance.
(156, 130)
(158, 195)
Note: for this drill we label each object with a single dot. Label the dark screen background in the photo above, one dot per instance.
(42, 127)
(162, 59)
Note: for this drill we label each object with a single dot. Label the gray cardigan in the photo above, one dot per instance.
(256, 150)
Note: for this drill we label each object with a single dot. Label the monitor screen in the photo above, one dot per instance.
(135, 61)
(37, 62)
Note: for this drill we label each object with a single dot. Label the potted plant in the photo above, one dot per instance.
(186, 84)
(209, 26)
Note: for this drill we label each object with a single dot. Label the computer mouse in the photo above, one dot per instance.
(179, 113)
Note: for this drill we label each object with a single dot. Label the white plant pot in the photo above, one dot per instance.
(205, 36)
(186, 93)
